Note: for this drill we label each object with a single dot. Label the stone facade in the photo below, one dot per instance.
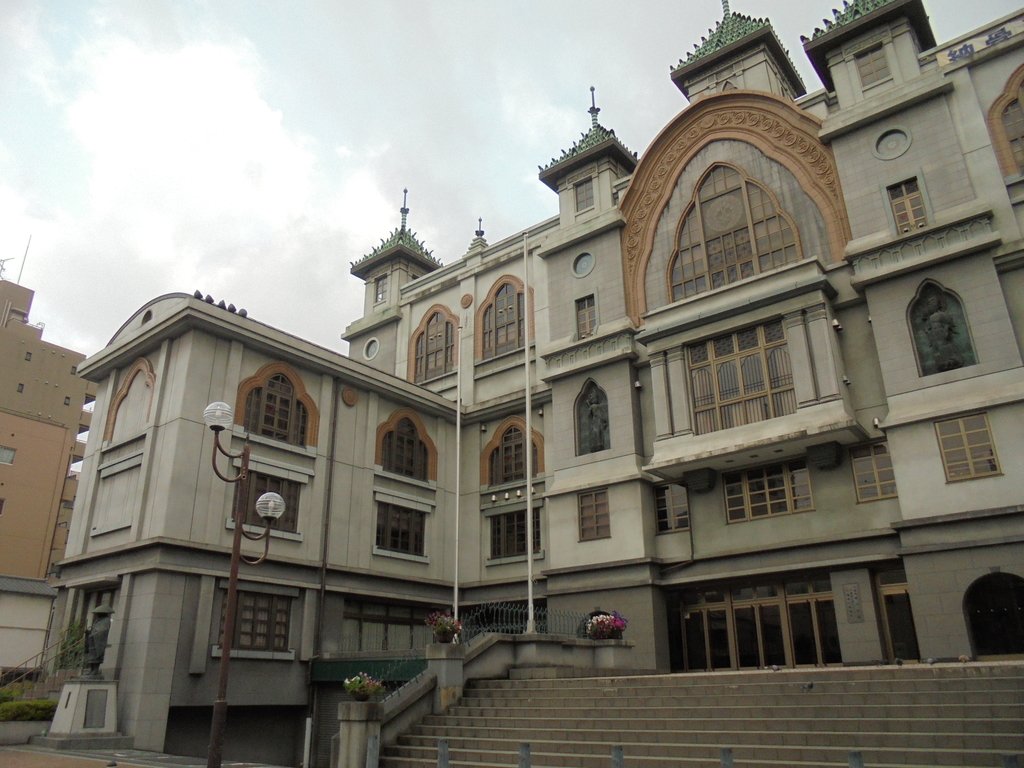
(775, 476)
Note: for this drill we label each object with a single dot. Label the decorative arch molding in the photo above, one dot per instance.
(781, 131)
(997, 129)
(142, 367)
(450, 317)
(478, 341)
(485, 455)
(940, 330)
(263, 375)
(421, 430)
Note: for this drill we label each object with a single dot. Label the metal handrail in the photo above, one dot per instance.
(63, 654)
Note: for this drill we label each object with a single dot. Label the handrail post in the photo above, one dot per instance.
(524, 755)
(442, 753)
(618, 758)
(856, 760)
(726, 757)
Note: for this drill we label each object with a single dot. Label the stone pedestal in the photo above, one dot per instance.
(86, 717)
(358, 729)
(446, 662)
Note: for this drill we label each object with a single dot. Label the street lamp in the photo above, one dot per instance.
(269, 506)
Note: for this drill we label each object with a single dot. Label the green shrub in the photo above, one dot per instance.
(11, 692)
(28, 709)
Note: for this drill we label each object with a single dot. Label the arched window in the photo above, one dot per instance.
(592, 420)
(942, 339)
(405, 448)
(274, 411)
(403, 452)
(994, 605)
(434, 347)
(1006, 123)
(732, 230)
(502, 327)
(505, 456)
(274, 403)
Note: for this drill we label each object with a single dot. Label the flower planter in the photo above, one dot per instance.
(444, 637)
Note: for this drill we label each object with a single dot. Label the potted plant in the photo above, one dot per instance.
(606, 626)
(362, 686)
(444, 626)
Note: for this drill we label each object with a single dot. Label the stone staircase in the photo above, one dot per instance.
(914, 716)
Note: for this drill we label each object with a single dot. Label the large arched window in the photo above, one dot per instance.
(1006, 123)
(503, 329)
(274, 403)
(505, 455)
(994, 605)
(405, 448)
(273, 411)
(434, 346)
(732, 230)
(403, 453)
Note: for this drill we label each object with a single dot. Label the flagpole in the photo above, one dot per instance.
(528, 438)
(458, 464)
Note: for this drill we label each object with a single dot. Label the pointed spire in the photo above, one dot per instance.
(594, 109)
(404, 210)
(479, 228)
(725, 9)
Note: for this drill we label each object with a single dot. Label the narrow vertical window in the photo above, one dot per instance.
(380, 289)
(907, 206)
(584, 195)
(672, 508)
(593, 515)
(586, 317)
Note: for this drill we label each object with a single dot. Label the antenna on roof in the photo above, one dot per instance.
(404, 209)
(24, 259)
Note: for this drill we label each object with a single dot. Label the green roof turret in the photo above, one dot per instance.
(592, 144)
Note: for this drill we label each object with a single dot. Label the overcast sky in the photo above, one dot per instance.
(252, 150)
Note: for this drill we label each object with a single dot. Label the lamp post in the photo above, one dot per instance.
(269, 506)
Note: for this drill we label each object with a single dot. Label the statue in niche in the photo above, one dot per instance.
(940, 331)
(592, 420)
(96, 640)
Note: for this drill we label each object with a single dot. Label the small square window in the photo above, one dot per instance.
(28, 355)
(21, 387)
(966, 447)
(67, 401)
(586, 317)
(584, 195)
(74, 370)
(872, 66)
(7, 455)
(2, 502)
(872, 472)
(907, 206)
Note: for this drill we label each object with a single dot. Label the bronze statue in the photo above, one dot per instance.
(96, 640)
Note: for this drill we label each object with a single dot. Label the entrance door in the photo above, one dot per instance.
(897, 618)
(760, 625)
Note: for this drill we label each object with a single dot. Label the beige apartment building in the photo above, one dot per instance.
(776, 404)
(43, 406)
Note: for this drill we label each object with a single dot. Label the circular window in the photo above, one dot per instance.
(371, 348)
(582, 265)
(892, 143)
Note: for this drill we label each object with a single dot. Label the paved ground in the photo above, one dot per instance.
(25, 756)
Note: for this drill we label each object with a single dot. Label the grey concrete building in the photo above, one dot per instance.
(776, 403)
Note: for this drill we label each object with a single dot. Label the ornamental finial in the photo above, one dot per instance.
(594, 109)
(479, 228)
(725, 9)
(405, 208)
